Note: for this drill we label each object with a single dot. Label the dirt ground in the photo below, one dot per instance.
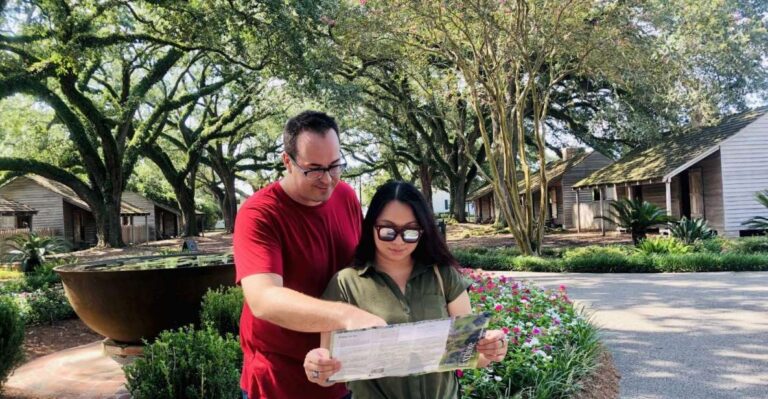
(467, 235)
(603, 383)
(44, 340)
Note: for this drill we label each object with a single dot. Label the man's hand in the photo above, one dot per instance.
(358, 318)
(318, 366)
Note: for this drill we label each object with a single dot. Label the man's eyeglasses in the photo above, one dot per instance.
(334, 171)
(389, 233)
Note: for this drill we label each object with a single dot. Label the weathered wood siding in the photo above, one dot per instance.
(144, 203)
(592, 163)
(712, 187)
(49, 205)
(744, 159)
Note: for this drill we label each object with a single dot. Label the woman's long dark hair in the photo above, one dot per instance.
(431, 248)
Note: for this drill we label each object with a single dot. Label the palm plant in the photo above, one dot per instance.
(759, 222)
(31, 249)
(636, 216)
(691, 230)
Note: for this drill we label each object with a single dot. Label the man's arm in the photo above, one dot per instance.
(270, 301)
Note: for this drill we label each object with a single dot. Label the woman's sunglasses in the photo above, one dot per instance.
(389, 233)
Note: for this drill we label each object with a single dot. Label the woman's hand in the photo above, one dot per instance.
(493, 346)
(319, 366)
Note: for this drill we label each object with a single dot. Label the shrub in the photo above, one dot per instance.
(712, 245)
(663, 245)
(551, 344)
(187, 364)
(11, 337)
(222, 308)
(536, 264)
(46, 306)
(747, 245)
(596, 259)
(489, 260)
(690, 231)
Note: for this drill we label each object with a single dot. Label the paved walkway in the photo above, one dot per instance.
(77, 373)
(693, 335)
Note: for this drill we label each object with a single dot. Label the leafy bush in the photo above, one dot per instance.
(690, 231)
(596, 259)
(759, 222)
(187, 364)
(222, 308)
(489, 260)
(747, 245)
(536, 264)
(31, 249)
(712, 245)
(551, 344)
(663, 245)
(11, 337)
(45, 306)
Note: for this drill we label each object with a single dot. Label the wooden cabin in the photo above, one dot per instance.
(62, 212)
(712, 173)
(561, 174)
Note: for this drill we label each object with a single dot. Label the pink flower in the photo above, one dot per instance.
(562, 287)
(516, 330)
(498, 308)
(505, 330)
(362, 2)
(536, 331)
(459, 373)
(483, 298)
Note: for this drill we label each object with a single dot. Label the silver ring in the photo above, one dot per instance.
(315, 374)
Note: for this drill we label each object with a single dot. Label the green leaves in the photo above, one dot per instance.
(759, 222)
(636, 216)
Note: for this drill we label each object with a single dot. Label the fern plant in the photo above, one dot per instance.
(759, 222)
(636, 216)
(663, 245)
(691, 230)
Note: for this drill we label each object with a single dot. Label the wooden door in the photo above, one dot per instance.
(696, 193)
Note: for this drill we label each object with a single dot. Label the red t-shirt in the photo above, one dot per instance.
(306, 245)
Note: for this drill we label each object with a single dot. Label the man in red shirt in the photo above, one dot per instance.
(290, 238)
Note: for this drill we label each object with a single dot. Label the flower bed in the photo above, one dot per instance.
(552, 345)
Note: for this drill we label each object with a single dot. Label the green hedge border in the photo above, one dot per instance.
(613, 260)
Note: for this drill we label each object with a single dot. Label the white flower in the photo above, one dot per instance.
(497, 378)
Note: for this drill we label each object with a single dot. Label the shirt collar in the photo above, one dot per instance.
(418, 269)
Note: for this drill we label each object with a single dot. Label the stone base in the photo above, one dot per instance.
(120, 352)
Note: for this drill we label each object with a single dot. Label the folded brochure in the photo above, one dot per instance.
(409, 348)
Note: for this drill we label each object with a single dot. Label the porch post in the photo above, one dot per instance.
(602, 213)
(131, 230)
(578, 211)
(669, 197)
(146, 224)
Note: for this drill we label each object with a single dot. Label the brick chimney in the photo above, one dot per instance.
(570, 152)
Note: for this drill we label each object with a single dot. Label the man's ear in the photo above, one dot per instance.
(287, 162)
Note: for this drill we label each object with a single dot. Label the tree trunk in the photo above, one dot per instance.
(425, 177)
(230, 204)
(459, 199)
(186, 200)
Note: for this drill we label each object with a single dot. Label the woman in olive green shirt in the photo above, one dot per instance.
(396, 279)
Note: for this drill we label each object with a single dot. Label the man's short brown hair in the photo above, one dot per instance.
(312, 121)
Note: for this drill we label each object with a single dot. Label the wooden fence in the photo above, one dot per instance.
(589, 213)
(134, 234)
(45, 232)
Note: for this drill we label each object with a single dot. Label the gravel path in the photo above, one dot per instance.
(692, 335)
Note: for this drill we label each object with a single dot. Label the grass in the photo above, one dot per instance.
(9, 274)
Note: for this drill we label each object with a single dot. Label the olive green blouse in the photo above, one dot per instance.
(375, 292)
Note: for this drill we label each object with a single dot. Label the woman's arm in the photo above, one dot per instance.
(493, 346)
